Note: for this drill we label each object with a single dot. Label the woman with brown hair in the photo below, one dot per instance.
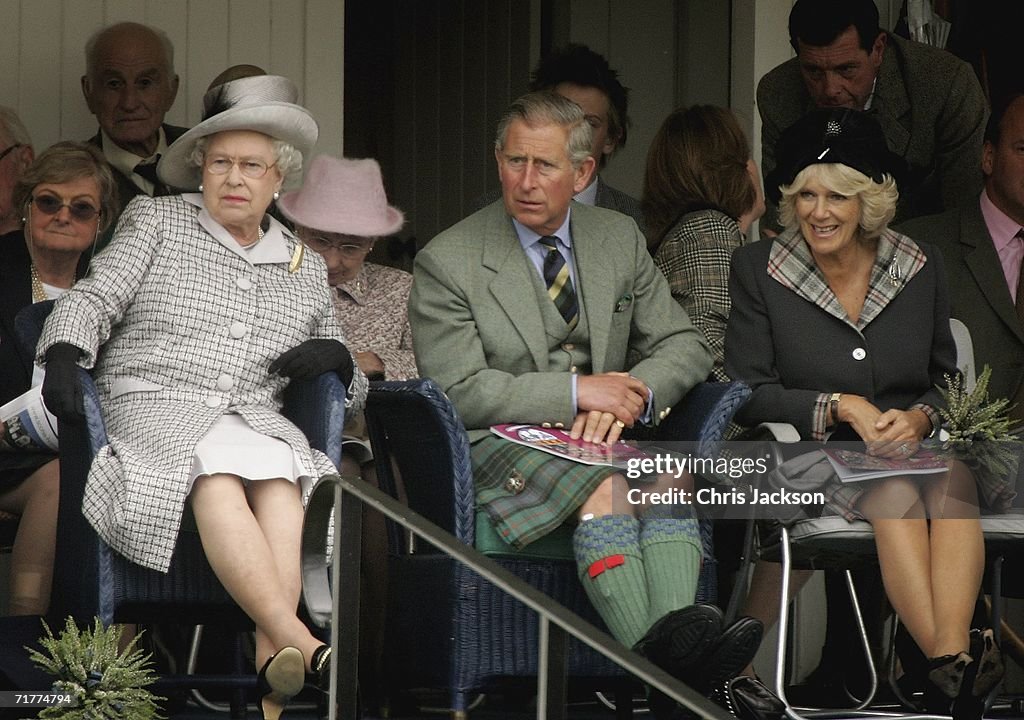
(701, 195)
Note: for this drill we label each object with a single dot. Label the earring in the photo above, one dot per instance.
(276, 194)
(200, 187)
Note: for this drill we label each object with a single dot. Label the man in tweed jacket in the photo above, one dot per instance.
(488, 326)
(929, 103)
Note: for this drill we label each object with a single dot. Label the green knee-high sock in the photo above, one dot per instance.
(671, 549)
(612, 572)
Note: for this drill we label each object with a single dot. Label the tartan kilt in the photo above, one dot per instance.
(545, 490)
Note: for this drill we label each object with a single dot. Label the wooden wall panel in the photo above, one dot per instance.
(480, 173)
(427, 98)
(75, 122)
(121, 11)
(287, 43)
(172, 18)
(450, 145)
(323, 71)
(38, 98)
(10, 49)
(249, 32)
(206, 55)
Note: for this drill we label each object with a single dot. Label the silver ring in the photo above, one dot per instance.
(620, 424)
(905, 449)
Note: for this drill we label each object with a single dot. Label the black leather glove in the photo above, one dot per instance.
(62, 392)
(315, 357)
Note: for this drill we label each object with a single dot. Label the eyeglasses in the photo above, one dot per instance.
(80, 210)
(349, 251)
(9, 150)
(250, 167)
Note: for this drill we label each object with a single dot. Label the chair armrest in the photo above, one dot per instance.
(79, 548)
(704, 413)
(317, 407)
(781, 432)
(414, 424)
(28, 325)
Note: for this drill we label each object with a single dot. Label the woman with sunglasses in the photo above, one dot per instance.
(195, 317)
(65, 199)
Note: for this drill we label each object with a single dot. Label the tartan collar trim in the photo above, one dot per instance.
(897, 260)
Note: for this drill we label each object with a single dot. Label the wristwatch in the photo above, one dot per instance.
(833, 407)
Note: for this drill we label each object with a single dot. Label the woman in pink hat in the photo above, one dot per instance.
(340, 212)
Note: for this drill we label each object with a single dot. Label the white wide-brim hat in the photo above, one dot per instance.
(261, 103)
(344, 196)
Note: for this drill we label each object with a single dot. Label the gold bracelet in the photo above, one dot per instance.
(833, 406)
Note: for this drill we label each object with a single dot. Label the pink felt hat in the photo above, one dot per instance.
(342, 196)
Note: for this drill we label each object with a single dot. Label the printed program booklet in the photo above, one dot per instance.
(853, 466)
(26, 424)
(558, 443)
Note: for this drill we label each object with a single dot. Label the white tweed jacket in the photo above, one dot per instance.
(180, 324)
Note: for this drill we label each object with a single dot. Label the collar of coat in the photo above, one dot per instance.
(897, 260)
(273, 248)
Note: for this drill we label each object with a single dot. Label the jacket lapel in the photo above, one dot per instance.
(503, 255)
(982, 260)
(596, 289)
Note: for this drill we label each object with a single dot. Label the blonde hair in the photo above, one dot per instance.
(877, 199)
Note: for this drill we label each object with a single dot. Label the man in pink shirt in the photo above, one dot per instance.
(983, 245)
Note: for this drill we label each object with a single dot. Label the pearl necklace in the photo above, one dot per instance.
(38, 293)
(254, 243)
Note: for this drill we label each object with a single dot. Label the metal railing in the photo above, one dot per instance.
(347, 496)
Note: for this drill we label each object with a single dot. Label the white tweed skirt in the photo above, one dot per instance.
(232, 447)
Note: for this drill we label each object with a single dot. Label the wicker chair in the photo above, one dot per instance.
(450, 628)
(92, 580)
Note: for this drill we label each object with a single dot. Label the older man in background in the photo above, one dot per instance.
(129, 85)
(16, 154)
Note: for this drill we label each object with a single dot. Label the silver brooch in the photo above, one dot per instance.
(895, 272)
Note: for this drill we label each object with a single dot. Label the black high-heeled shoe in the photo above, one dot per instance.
(946, 673)
(990, 662)
(320, 667)
(280, 679)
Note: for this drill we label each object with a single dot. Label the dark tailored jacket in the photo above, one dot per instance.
(978, 292)
(126, 189)
(609, 197)
(790, 350)
(15, 293)
(931, 108)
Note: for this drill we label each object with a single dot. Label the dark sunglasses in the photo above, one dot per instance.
(51, 205)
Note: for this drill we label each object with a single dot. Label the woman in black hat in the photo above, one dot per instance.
(841, 328)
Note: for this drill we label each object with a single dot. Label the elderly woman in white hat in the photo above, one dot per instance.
(340, 212)
(194, 319)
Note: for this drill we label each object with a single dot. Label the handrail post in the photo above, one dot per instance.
(556, 621)
(348, 519)
(552, 671)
